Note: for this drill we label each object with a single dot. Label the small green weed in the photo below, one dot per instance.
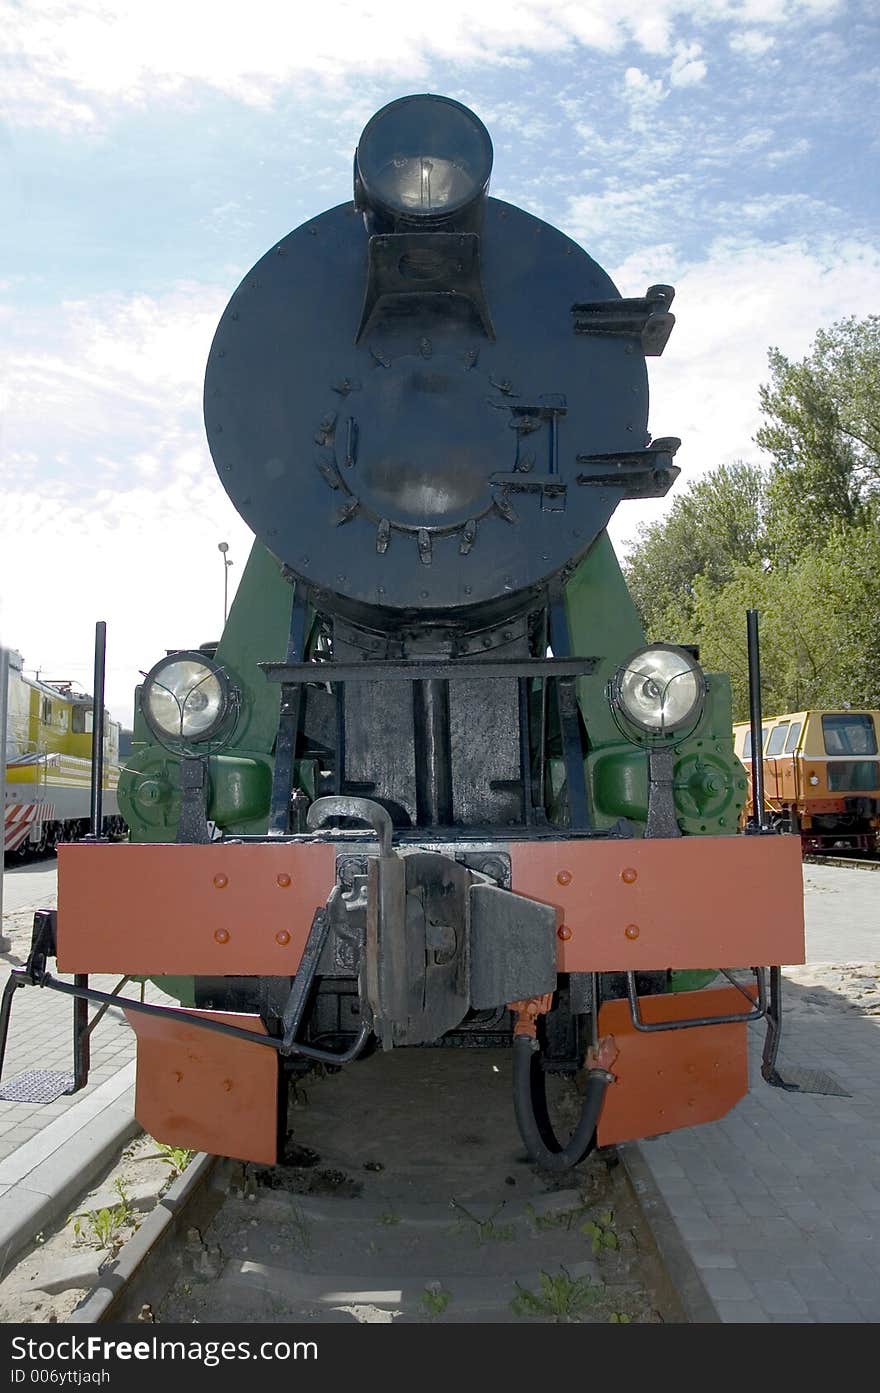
(558, 1220)
(560, 1297)
(389, 1218)
(487, 1230)
(434, 1300)
(103, 1228)
(600, 1232)
(177, 1157)
(619, 1318)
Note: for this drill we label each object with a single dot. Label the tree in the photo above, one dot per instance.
(711, 528)
(799, 542)
(822, 430)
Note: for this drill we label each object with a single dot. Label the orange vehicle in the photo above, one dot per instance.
(821, 776)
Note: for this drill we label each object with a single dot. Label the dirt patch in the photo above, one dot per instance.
(308, 1180)
(74, 1250)
(826, 988)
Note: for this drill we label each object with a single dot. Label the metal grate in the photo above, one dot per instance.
(813, 1081)
(36, 1086)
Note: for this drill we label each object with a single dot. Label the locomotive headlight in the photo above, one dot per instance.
(660, 689)
(186, 697)
(422, 157)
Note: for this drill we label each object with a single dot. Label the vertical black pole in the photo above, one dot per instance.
(98, 729)
(288, 722)
(756, 720)
(82, 1054)
(433, 753)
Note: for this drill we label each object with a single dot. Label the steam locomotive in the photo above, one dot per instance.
(432, 786)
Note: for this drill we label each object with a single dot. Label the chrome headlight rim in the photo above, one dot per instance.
(664, 729)
(179, 735)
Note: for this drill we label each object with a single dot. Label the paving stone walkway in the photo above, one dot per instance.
(778, 1204)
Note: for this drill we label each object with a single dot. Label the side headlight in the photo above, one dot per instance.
(186, 697)
(660, 689)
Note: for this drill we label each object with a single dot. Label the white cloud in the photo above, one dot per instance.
(70, 61)
(111, 506)
(751, 42)
(730, 308)
(640, 89)
(688, 68)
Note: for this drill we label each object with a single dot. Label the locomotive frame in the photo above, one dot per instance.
(447, 794)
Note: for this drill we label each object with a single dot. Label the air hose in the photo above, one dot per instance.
(533, 1118)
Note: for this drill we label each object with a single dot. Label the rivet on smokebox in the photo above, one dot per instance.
(283, 880)
(563, 932)
(283, 937)
(629, 875)
(221, 881)
(632, 931)
(564, 877)
(221, 935)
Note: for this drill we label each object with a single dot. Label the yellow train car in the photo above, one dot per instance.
(48, 765)
(821, 776)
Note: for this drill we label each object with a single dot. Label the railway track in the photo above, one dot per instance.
(407, 1199)
(862, 863)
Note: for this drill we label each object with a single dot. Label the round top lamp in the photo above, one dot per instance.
(422, 158)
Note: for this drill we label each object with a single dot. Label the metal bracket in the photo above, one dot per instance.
(646, 318)
(360, 810)
(662, 821)
(192, 826)
(417, 265)
(640, 473)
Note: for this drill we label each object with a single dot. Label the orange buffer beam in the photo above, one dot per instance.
(225, 909)
(668, 902)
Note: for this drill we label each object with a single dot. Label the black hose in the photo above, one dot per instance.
(533, 1118)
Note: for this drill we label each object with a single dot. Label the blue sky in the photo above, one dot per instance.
(151, 152)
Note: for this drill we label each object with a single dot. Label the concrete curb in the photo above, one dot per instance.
(42, 1178)
(145, 1244)
(683, 1272)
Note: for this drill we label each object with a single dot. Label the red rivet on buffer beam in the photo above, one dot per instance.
(563, 932)
(282, 937)
(632, 931)
(564, 877)
(221, 881)
(221, 935)
(629, 874)
(283, 880)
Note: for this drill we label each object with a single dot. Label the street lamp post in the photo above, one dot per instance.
(224, 547)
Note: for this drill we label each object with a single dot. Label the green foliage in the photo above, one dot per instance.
(799, 541)
(487, 1230)
(559, 1297)
(434, 1300)
(558, 1219)
(715, 525)
(105, 1228)
(822, 430)
(177, 1157)
(600, 1232)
